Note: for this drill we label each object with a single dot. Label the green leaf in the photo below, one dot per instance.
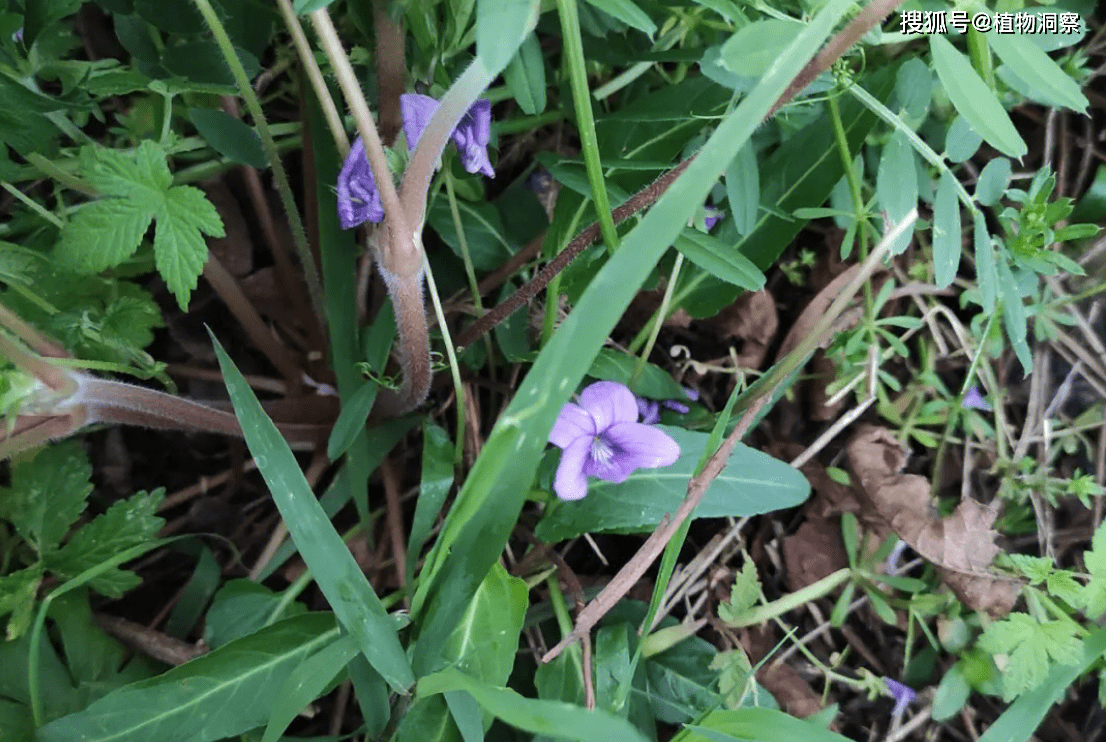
(17, 597)
(993, 181)
(974, 100)
(743, 594)
(743, 189)
(306, 683)
(22, 124)
(351, 420)
(48, 493)
(327, 556)
(501, 25)
(179, 247)
(720, 259)
(434, 486)
(653, 382)
(986, 263)
(557, 718)
(752, 483)
(525, 77)
(757, 46)
(961, 141)
(627, 12)
(242, 607)
(105, 233)
(1026, 60)
(229, 136)
(221, 694)
(762, 725)
(1014, 315)
(125, 524)
(946, 232)
(484, 644)
(1030, 647)
(1094, 596)
(1035, 569)
(303, 7)
(952, 694)
(897, 185)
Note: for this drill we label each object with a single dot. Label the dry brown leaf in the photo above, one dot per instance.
(751, 318)
(790, 689)
(813, 552)
(962, 544)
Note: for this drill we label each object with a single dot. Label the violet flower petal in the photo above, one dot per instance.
(675, 406)
(974, 400)
(472, 135)
(416, 111)
(573, 422)
(904, 695)
(713, 216)
(570, 482)
(607, 461)
(649, 411)
(642, 446)
(358, 199)
(609, 402)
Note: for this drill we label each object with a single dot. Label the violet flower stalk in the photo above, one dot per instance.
(601, 437)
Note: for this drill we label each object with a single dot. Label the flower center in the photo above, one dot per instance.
(602, 452)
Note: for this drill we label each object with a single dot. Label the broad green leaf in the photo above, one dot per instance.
(752, 483)
(992, 182)
(564, 720)
(327, 556)
(1014, 315)
(914, 88)
(952, 693)
(762, 725)
(47, 495)
(653, 382)
(307, 682)
(126, 524)
(627, 12)
(486, 639)
(22, 124)
(303, 7)
(1094, 593)
(525, 77)
(743, 189)
(1026, 60)
(196, 594)
(974, 100)
(946, 232)
(16, 721)
(485, 235)
(242, 607)
(434, 486)
(229, 136)
(986, 265)
(486, 510)
(756, 47)
(501, 25)
(351, 420)
(221, 694)
(720, 259)
(897, 186)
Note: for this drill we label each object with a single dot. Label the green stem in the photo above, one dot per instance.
(315, 76)
(280, 177)
(585, 123)
(454, 367)
(954, 411)
(662, 312)
(790, 602)
(854, 191)
(31, 204)
(459, 228)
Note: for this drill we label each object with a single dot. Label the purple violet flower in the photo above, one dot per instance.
(713, 217)
(650, 409)
(471, 136)
(601, 437)
(358, 199)
(974, 400)
(903, 694)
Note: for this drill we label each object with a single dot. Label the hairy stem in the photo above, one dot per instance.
(414, 345)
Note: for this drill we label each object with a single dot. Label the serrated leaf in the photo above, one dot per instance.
(101, 235)
(1062, 584)
(125, 524)
(946, 232)
(179, 248)
(1030, 647)
(974, 100)
(1026, 60)
(743, 594)
(17, 597)
(47, 495)
(1035, 569)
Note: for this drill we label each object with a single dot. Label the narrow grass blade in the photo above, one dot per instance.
(326, 555)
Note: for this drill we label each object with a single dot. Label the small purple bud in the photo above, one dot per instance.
(358, 199)
(974, 400)
(713, 217)
(904, 695)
